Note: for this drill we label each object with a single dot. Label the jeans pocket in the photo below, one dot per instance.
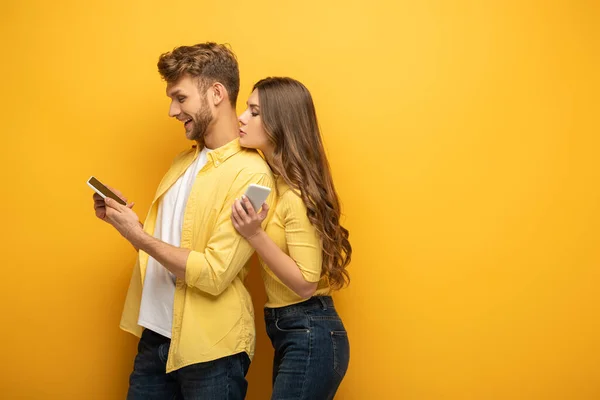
(293, 324)
(341, 352)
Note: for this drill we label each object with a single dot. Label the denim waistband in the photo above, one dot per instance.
(314, 303)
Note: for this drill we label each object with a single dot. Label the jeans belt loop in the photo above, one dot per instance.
(323, 303)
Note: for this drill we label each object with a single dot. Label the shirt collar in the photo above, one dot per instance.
(219, 155)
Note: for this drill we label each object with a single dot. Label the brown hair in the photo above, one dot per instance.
(290, 120)
(211, 62)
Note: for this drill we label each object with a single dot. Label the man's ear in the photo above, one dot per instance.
(219, 93)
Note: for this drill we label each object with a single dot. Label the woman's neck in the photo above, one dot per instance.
(270, 160)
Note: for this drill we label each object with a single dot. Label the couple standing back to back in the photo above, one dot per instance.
(187, 300)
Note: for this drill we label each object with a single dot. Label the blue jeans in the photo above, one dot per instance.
(221, 379)
(311, 349)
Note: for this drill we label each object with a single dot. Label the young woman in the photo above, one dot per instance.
(304, 250)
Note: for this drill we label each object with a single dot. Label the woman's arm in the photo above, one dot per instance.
(299, 271)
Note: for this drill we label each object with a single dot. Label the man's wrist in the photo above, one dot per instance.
(135, 235)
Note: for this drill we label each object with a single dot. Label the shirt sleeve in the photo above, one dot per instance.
(303, 240)
(226, 253)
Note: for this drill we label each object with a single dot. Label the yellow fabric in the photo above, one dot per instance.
(213, 315)
(293, 233)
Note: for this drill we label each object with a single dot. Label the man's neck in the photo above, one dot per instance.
(222, 131)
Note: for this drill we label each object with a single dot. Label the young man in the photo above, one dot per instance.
(186, 299)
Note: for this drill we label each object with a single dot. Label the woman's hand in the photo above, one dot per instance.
(247, 223)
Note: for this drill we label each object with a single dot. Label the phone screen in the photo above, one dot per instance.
(105, 191)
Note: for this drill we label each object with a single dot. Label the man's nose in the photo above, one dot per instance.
(174, 110)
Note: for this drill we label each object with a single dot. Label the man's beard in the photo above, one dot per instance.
(201, 122)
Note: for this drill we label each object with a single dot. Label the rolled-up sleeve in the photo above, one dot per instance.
(226, 253)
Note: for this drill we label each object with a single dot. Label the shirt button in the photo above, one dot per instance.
(217, 163)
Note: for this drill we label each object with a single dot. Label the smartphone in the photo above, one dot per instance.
(103, 190)
(257, 195)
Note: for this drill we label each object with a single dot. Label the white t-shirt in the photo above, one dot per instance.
(156, 309)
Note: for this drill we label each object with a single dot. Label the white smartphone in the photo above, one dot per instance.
(103, 190)
(257, 195)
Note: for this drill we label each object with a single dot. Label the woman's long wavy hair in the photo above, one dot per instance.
(290, 120)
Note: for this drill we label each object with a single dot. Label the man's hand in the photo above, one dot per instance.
(100, 206)
(123, 218)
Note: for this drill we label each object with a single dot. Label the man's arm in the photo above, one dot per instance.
(227, 252)
(224, 256)
(126, 221)
(172, 258)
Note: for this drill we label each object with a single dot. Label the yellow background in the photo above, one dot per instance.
(463, 138)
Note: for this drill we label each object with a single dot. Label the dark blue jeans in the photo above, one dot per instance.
(222, 379)
(311, 350)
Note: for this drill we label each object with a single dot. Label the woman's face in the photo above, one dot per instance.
(252, 131)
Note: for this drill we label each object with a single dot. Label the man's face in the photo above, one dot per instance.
(190, 106)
